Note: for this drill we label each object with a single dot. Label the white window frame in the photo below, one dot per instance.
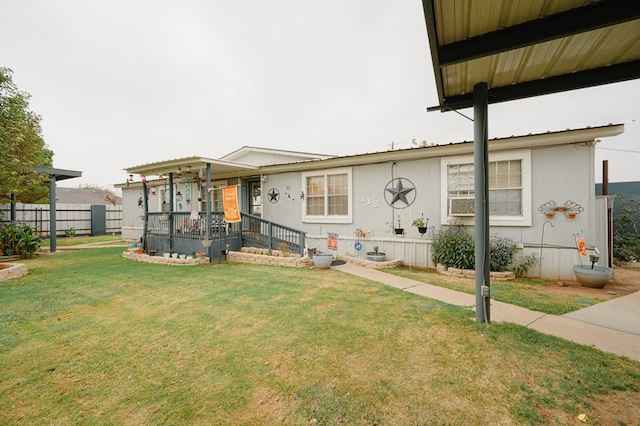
(495, 220)
(348, 218)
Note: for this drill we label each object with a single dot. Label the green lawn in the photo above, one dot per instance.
(84, 239)
(528, 293)
(90, 338)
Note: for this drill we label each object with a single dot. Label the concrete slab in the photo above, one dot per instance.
(621, 314)
(603, 338)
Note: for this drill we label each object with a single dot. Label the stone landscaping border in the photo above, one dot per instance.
(278, 258)
(161, 260)
(259, 256)
(470, 273)
(13, 270)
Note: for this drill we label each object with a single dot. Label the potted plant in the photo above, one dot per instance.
(399, 230)
(375, 255)
(421, 224)
(322, 260)
(166, 254)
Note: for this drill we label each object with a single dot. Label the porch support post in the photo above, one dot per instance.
(13, 207)
(52, 213)
(481, 203)
(208, 201)
(145, 197)
(170, 211)
(208, 209)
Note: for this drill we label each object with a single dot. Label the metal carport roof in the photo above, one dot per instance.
(493, 51)
(524, 48)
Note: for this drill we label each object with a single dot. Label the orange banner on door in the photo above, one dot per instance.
(230, 204)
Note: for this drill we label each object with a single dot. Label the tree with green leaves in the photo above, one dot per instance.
(626, 228)
(21, 146)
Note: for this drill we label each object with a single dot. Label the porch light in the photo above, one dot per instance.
(179, 171)
(130, 178)
(179, 196)
(188, 168)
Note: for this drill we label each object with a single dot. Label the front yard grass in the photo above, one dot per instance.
(88, 337)
(525, 292)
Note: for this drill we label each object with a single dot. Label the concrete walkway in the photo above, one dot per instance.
(612, 326)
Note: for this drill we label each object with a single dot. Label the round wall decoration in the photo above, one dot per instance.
(400, 193)
(274, 195)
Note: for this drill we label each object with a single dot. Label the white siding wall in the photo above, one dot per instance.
(559, 173)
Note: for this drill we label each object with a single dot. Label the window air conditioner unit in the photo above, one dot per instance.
(461, 206)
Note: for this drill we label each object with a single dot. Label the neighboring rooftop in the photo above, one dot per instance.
(87, 196)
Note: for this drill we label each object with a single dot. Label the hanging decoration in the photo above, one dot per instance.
(569, 209)
(400, 193)
(187, 190)
(274, 195)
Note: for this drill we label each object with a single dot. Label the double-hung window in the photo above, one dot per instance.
(509, 188)
(327, 196)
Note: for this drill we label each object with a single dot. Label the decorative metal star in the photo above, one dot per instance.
(274, 195)
(399, 191)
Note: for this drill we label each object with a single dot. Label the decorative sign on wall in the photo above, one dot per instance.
(569, 209)
(274, 195)
(400, 193)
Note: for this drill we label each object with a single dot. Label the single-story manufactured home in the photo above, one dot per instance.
(541, 196)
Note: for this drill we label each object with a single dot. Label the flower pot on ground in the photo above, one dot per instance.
(592, 276)
(322, 260)
(375, 255)
(166, 255)
(174, 255)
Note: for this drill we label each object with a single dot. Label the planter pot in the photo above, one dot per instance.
(597, 277)
(376, 256)
(174, 255)
(183, 256)
(422, 229)
(322, 260)
(201, 254)
(152, 252)
(166, 255)
(399, 231)
(206, 243)
(189, 257)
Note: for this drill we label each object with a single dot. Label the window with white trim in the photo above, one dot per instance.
(328, 196)
(509, 188)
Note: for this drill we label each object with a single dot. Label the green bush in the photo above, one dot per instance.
(454, 247)
(626, 229)
(18, 240)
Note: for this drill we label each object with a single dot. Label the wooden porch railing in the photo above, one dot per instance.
(252, 229)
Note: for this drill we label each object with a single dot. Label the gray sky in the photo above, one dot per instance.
(122, 83)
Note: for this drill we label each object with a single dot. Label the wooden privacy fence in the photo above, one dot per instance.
(84, 219)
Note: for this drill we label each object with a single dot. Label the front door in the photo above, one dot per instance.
(255, 198)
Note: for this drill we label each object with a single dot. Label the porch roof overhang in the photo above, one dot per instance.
(58, 174)
(529, 48)
(220, 169)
